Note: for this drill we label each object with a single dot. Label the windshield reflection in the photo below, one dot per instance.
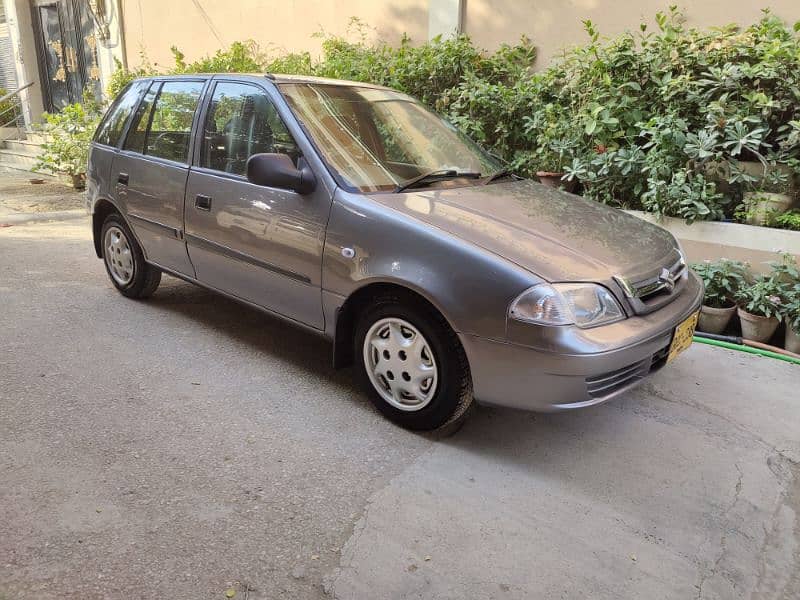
(376, 139)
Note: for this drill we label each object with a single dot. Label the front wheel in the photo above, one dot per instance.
(124, 260)
(412, 365)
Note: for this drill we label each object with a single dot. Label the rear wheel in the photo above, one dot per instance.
(124, 260)
(412, 365)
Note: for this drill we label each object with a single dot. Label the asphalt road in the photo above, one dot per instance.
(186, 447)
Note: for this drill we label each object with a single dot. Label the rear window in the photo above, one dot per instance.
(111, 127)
(163, 122)
(171, 121)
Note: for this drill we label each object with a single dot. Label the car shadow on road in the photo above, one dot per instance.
(261, 331)
(507, 434)
(529, 440)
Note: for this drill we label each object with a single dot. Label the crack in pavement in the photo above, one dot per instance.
(657, 393)
(724, 539)
(783, 479)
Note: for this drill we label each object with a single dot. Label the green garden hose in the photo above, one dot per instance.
(748, 349)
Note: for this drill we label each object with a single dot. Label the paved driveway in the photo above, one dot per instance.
(187, 446)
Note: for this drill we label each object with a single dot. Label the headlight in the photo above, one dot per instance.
(582, 304)
(681, 252)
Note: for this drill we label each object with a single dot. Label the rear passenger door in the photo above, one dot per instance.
(261, 244)
(107, 139)
(150, 172)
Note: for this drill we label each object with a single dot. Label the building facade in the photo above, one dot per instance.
(65, 48)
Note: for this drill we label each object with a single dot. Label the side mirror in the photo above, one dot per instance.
(278, 171)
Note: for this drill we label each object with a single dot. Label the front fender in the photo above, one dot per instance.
(369, 243)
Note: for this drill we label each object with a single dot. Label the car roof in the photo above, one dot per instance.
(274, 77)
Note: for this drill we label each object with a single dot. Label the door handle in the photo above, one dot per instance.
(122, 178)
(202, 202)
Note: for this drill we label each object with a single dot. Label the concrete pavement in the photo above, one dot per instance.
(24, 202)
(187, 446)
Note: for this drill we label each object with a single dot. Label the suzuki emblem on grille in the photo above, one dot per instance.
(667, 279)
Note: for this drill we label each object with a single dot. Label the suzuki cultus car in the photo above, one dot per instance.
(355, 212)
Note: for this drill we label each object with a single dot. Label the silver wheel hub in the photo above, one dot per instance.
(118, 255)
(400, 364)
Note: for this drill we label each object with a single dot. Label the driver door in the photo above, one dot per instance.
(260, 244)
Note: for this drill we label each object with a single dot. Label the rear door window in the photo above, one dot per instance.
(163, 122)
(141, 121)
(113, 124)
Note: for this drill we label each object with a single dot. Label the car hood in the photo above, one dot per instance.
(554, 234)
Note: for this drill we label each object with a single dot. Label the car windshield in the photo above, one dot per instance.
(377, 140)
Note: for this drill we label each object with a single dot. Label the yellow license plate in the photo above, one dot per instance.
(683, 336)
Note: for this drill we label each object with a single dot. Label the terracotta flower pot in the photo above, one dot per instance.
(715, 320)
(553, 179)
(763, 205)
(550, 178)
(78, 181)
(792, 342)
(756, 327)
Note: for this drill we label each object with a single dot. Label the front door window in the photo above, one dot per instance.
(242, 121)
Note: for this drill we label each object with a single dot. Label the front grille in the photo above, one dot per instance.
(655, 286)
(606, 384)
(660, 286)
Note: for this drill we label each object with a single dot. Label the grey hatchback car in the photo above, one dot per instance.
(357, 213)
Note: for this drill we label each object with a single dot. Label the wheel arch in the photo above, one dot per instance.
(347, 314)
(102, 208)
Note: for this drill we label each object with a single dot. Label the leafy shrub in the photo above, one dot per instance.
(665, 120)
(240, 57)
(791, 310)
(122, 76)
(661, 120)
(428, 71)
(66, 149)
(762, 297)
(722, 279)
(482, 93)
(786, 273)
(788, 220)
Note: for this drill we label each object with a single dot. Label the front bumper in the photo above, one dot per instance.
(595, 365)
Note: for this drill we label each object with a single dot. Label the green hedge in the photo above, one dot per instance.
(668, 120)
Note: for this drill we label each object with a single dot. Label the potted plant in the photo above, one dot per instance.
(759, 306)
(791, 314)
(788, 220)
(66, 151)
(552, 156)
(722, 279)
(787, 274)
(550, 163)
(771, 196)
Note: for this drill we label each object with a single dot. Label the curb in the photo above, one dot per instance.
(57, 215)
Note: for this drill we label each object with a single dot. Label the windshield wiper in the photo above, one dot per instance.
(498, 175)
(435, 175)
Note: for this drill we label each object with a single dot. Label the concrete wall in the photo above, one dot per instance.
(555, 24)
(708, 240)
(200, 27)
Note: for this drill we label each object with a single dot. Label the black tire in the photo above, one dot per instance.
(453, 398)
(145, 277)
